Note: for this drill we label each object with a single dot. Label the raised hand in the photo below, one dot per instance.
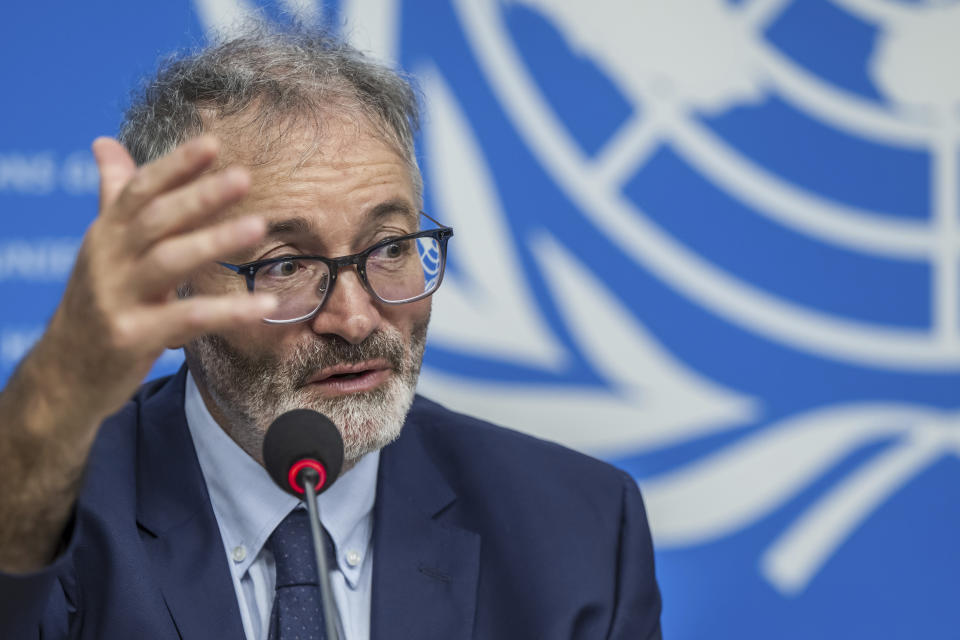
(157, 224)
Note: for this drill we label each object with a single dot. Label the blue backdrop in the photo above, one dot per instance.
(713, 241)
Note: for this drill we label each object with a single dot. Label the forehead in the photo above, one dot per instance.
(338, 175)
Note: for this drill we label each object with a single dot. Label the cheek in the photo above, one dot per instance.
(265, 340)
(409, 317)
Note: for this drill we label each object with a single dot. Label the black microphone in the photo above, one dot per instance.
(303, 453)
(299, 440)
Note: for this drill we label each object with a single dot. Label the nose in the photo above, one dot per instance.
(349, 312)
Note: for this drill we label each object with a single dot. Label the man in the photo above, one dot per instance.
(246, 172)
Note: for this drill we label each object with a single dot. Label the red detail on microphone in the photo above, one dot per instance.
(299, 466)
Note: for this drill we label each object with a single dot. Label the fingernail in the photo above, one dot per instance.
(266, 302)
(236, 177)
(250, 227)
(205, 141)
(200, 147)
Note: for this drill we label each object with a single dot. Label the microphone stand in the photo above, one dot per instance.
(331, 615)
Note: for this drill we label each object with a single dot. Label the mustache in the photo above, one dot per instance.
(329, 351)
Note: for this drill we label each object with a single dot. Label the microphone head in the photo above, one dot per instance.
(301, 439)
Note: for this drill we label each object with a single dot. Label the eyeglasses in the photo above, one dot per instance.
(395, 271)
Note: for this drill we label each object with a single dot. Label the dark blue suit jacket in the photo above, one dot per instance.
(480, 532)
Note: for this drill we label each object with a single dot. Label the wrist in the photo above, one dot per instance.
(46, 392)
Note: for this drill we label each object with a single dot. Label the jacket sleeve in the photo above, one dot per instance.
(39, 605)
(637, 608)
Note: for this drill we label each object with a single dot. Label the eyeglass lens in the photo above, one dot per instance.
(400, 271)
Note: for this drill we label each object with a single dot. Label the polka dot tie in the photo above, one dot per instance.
(297, 608)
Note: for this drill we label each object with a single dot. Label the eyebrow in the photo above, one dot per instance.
(390, 207)
(301, 225)
(290, 226)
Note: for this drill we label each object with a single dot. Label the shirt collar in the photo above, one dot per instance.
(248, 505)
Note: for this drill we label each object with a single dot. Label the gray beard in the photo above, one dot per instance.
(250, 391)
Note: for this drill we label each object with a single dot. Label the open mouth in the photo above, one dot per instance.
(351, 378)
(348, 376)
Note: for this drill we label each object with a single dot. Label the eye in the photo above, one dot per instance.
(283, 269)
(393, 250)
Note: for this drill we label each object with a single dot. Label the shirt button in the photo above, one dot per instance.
(353, 557)
(239, 553)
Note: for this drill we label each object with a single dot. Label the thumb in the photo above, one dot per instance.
(116, 168)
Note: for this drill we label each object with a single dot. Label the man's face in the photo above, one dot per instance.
(357, 360)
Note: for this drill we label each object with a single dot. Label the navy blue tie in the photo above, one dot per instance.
(297, 607)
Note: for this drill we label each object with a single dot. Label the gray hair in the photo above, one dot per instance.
(273, 81)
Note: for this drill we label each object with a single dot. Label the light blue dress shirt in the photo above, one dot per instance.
(248, 506)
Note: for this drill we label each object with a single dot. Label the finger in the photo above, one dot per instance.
(172, 260)
(116, 168)
(178, 167)
(188, 207)
(182, 320)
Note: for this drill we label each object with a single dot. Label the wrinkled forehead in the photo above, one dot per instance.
(258, 138)
(279, 149)
(347, 180)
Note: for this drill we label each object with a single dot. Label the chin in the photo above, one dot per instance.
(367, 421)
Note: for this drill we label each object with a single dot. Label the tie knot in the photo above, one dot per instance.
(292, 547)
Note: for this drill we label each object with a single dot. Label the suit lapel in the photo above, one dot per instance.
(425, 568)
(178, 528)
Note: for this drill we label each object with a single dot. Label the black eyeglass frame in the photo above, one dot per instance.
(441, 234)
